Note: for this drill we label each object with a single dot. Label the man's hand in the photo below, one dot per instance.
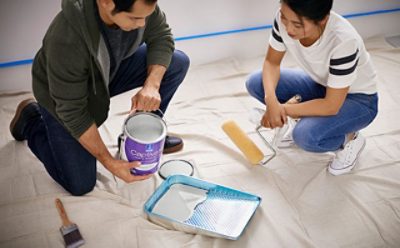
(146, 99)
(93, 143)
(122, 170)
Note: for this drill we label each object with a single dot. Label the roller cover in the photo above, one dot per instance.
(243, 142)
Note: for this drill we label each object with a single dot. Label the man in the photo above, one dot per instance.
(94, 50)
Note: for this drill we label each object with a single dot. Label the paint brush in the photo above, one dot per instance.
(69, 230)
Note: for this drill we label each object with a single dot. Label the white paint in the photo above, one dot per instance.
(146, 128)
(179, 202)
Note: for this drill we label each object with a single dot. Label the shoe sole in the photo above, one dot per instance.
(21, 106)
(337, 172)
(173, 149)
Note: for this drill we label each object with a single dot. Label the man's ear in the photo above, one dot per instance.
(107, 5)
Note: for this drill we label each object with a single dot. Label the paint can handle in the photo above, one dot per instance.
(154, 112)
(121, 138)
(161, 112)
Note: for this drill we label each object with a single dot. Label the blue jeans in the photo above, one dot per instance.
(318, 133)
(64, 158)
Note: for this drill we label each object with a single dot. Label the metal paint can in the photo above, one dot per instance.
(143, 140)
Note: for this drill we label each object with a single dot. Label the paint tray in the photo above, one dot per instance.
(194, 206)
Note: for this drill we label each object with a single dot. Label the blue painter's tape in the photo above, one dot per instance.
(349, 16)
(192, 37)
(206, 35)
(16, 63)
(376, 12)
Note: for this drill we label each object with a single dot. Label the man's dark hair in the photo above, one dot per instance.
(126, 5)
(315, 10)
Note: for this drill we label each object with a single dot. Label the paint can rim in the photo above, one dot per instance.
(174, 160)
(158, 118)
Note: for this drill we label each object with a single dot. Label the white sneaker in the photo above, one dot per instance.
(346, 159)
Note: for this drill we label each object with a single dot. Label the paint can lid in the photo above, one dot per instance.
(176, 167)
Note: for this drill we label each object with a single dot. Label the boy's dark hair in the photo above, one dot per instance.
(126, 5)
(315, 10)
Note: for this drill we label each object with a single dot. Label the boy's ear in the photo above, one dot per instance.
(325, 20)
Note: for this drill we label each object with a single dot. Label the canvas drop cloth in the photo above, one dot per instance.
(302, 204)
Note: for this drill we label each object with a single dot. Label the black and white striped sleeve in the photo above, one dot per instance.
(275, 39)
(343, 65)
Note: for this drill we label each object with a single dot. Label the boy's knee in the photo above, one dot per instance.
(248, 86)
(251, 86)
(304, 139)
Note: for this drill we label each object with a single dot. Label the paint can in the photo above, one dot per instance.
(143, 140)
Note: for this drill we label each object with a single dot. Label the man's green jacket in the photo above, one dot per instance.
(70, 73)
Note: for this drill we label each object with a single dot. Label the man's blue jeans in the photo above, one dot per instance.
(67, 162)
(325, 133)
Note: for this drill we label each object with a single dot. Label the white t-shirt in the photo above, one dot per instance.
(337, 60)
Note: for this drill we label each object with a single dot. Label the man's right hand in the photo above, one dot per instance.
(122, 170)
(92, 142)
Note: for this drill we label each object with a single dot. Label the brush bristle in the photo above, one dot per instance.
(72, 236)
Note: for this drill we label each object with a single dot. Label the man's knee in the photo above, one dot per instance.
(81, 188)
(181, 61)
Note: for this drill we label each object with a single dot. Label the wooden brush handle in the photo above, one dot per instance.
(63, 214)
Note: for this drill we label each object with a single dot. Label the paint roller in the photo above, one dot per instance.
(246, 145)
(250, 150)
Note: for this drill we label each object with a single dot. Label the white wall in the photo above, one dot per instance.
(224, 15)
(23, 24)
